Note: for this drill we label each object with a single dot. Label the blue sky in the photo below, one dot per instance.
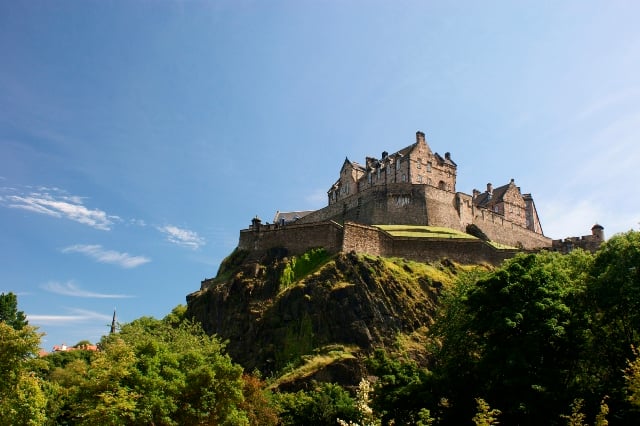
(138, 137)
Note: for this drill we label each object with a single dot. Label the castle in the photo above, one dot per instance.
(413, 186)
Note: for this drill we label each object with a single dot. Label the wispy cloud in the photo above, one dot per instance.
(71, 289)
(102, 255)
(182, 237)
(57, 203)
(75, 316)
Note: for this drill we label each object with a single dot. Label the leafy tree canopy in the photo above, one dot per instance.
(9, 312)
(153, 371)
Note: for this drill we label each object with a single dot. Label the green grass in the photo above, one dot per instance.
(409, 271)
(501, 246)
(299, 266)
(420, 231)
(315, 362)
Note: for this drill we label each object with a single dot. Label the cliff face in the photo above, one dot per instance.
(279, 310)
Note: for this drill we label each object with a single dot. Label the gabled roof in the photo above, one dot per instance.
(290, 217)
(446, 160)
(353, 164)
(406, 150)
(496, 196)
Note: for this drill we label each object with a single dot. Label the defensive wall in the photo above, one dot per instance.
(298, 238)
(415, 204)
(586, 242)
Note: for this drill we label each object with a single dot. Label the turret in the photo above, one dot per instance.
(255, 223)
(598, 231)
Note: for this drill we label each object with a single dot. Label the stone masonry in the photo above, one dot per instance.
(413, 186)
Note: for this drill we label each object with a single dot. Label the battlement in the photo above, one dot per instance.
(586, 242)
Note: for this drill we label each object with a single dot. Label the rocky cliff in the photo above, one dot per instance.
(319, 312)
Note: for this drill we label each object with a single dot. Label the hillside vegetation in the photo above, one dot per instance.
(544, 339)
(286, 312)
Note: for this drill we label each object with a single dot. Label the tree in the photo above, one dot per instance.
(614, 296)
(401, 390)
(513, 340)
(153, 371)
(322, 406)
(22, 399)
(258, 403)
(486, 416)
(9, 312)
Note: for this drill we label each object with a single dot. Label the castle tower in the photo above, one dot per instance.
(598, 231)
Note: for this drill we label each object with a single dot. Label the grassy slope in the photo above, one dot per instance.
(419, 231)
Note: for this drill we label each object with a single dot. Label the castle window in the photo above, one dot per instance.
(419, 179)
(429, 167)
(398, 164)
(419, 163)
(369, 177)
(404, 177)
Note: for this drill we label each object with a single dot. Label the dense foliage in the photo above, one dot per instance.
(9, 313)
(544, 339)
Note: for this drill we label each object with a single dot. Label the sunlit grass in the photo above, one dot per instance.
(313, 363)
(421, 231)
(501, 246)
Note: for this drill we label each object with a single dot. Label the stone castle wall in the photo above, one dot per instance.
(412, 204)
(374, 241)
(497, 228)
(370, 240)
(296, 238)
(586, 242)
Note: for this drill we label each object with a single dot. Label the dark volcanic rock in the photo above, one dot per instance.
(351, 301)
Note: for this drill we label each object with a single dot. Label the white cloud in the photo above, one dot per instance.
(75, 316)
(57, 203)
(71, 289)
(182, 237)
(102, 255)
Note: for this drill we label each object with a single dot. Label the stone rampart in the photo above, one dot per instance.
(374, 241)
(497, 228)
(364, 239)
(370, 240)
(586, 242)
(296, 238)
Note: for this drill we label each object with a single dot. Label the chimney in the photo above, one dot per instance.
(476, 193)
(420, 137)
(385, 154)
(447, 155)
(513, 182)
(490, 188)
